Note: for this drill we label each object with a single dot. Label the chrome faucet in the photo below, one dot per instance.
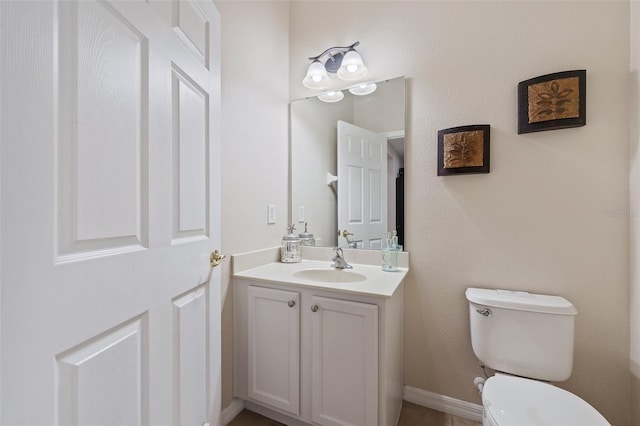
(338, 260)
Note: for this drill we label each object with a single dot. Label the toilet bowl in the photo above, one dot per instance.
(516, 401)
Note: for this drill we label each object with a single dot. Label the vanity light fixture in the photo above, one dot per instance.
(363, 89)
(331, 96)
(343, 61)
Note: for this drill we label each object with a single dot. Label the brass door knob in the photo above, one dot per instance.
(216, 258)
(344, 233)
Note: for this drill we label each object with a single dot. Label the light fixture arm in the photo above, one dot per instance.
(334, 56)
(340, 49)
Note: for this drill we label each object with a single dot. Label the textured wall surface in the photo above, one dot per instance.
(634, 209)
(255, 134)
(551, 217)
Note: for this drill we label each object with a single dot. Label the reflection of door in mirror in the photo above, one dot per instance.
(313, 154)
(362, 186)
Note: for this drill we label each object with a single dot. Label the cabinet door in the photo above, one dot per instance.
(273, 348)
(344, 362)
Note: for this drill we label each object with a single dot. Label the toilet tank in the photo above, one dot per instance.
(520, 333)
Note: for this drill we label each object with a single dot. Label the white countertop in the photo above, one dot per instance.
(377, 283)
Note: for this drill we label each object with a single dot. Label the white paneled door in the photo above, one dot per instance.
(110, 207)
(362, 185)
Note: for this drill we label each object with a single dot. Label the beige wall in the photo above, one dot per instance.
(634, 210)
(539, 221)
(549, 218)
(546, 218)
(255, 102)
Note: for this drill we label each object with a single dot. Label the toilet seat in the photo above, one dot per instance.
(516, 401)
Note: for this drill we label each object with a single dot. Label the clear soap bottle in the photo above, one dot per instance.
(390, 252)
(290, 251)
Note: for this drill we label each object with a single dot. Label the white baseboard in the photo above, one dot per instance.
(232, 410)
(446, 404)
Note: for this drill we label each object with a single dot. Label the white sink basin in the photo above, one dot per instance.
(366, 279)
(330, 275)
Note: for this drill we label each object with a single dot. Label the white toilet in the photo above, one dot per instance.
(527, 339)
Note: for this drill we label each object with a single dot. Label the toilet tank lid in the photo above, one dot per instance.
(521, 300)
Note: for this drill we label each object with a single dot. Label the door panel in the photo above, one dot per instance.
(192, 26)
(109, 157)
(102, 85)
(190, 172)
(83, 386)
(190, 342)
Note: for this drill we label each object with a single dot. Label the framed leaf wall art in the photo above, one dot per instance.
(552, 101)
(464, 150)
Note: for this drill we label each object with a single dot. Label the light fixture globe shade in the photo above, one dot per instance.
(331, 96)
(317, 77)
(352, 67)
(363, 89)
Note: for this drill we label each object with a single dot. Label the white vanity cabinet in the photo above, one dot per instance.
(344, 362)
(273, 347)
(304, 355)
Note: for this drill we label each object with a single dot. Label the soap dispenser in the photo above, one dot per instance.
(390, 252)
(290, 251)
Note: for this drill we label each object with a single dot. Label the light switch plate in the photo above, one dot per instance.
(301, 214)
(271, 214)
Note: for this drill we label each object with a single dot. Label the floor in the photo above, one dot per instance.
(411, 415)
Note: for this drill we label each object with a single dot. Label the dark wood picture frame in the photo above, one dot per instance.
(464, 150)
(552, 101)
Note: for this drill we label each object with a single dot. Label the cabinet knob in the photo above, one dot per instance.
(314, 308)
(291, 303)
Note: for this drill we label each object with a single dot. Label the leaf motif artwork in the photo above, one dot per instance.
(555, 99)
(552, 101)
(463, 149)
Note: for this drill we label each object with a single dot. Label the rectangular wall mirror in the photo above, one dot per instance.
(346, 166)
